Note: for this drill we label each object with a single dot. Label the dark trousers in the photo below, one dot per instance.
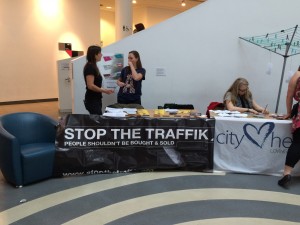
(123, 100)
(94, 106)
(293, 154)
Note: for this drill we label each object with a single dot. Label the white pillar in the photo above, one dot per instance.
(123, 18)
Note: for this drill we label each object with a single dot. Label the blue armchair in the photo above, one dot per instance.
(27, 147)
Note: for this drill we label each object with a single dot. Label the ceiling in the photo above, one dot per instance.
(164, 4)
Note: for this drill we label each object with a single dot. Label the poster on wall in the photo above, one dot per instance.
(110, 67)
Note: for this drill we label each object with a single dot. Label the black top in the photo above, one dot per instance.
(133, 88)
(90, 69)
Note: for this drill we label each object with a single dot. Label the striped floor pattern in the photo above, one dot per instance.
(152, 198)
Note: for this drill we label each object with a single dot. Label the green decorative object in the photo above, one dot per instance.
(285, 43)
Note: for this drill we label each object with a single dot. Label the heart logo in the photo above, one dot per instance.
(258, 136)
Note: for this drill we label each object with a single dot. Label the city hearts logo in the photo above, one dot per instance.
(258, 136)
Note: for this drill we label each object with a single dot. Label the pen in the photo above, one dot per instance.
(265, 108)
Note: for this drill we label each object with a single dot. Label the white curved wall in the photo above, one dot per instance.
(202, 54)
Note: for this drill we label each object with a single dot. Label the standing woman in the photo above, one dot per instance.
(93, 81)
(293, 154)
(130, 80)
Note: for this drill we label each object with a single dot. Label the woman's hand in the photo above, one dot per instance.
(120, 84)
(130, 64)
(265, 111)
(253, 111)
(107, 91)
(286, 116)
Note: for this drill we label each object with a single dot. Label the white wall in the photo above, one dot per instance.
(149, 16)
(29, 43)
(156, 15)
(78, 85)
(202, 54)
(107, 27)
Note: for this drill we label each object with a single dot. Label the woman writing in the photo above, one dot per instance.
(93, 81)
(130, 80)
(239, 98)
(293, 154)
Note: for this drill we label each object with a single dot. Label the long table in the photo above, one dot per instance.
(91, 144)
(251, 145)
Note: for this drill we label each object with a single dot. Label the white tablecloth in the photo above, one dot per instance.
(252, 145)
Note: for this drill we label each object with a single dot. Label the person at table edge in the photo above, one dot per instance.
(293, 153)
(239, 98)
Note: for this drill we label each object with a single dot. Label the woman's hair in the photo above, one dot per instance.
(234, 89)
(137, 55)
(92, 51)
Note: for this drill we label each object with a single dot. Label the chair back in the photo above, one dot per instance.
(214, 106)
(29, 127)
(178, 106)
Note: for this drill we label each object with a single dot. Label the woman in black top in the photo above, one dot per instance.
(93, 81)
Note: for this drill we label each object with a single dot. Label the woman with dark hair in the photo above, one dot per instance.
(239, 98)
(293, 154)
(93, 81)
(130, 80)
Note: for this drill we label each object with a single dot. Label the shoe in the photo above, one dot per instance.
(285, 180)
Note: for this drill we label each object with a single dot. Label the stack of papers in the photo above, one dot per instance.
(130, 111)
(227, 113)
(117, 112)
(172, 110)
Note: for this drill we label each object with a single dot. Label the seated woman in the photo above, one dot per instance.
(239, 98)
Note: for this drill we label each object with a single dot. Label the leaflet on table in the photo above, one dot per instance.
(227, 113)
(172, 110)
(130, 110)
(113, 110)
(117, 112)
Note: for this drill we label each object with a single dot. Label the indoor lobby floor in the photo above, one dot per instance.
(148, 198)
(152, 198)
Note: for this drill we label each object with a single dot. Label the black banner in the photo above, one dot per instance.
(91, 144)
